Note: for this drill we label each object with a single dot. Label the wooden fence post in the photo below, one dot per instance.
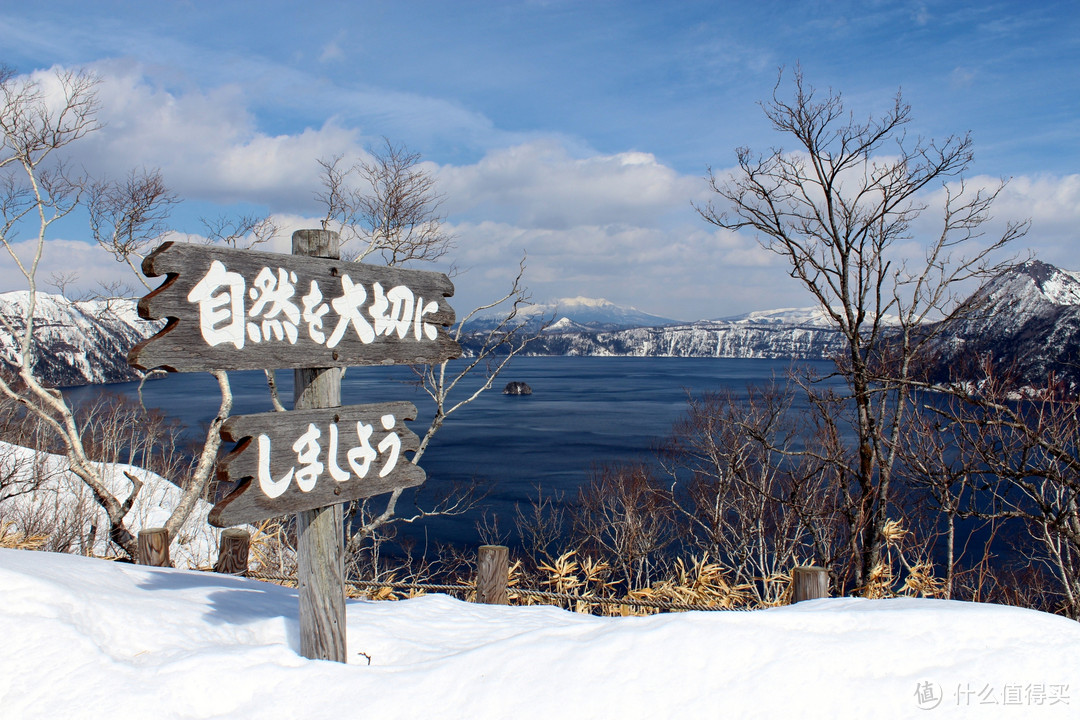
(320, 545)
(492, 574)
(809, 582)
(154, 547)
(233, 551)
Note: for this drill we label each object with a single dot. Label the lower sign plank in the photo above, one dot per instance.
(286, 462)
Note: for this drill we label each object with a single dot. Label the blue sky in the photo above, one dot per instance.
(578, 132)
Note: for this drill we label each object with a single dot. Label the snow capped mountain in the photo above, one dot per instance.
(587, 326)
(701, 339)
(580, 313)
(813, 316)
(76, 343)
(807, 317)
(1026, 321)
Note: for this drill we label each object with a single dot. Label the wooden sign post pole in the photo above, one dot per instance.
(320, 544)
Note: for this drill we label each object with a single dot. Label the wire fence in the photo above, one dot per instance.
(465, 588)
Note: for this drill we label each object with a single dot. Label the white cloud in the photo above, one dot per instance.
(613, 225)
(206, 143)
(539, 184)
(689, 272)
(961, 77)
(86, 264)
(1050, 202)
(331, 52)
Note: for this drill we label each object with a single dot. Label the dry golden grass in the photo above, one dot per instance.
(270, 550)
(13, 539)
(698, 582)
(885, 579)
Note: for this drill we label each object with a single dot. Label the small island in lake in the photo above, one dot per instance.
(517, 388)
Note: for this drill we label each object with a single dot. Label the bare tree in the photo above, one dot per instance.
(840, 209)
(1024, 450)
(751, 495)
(507, 338)
(389, 206)
(128, 215)
(37, 190)
(393, 210)
(244, 231)
(625, 517)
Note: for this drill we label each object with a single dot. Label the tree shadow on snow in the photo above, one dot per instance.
(234, 600)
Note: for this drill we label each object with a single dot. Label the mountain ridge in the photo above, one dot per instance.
(1027, 321)
(77, 342)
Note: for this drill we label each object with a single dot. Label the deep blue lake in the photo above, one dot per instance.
(583, 411)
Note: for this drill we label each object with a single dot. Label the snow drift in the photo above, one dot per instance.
(87, 638)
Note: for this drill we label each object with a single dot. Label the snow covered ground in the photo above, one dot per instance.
(46, 493)
(85, 638)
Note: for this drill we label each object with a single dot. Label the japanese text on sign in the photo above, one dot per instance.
(234, 309)
(360, 457)
(226, 316)
(304, 459)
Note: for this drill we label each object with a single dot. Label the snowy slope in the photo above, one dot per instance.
(813, 316)
(86, 638)
(76, 343)
(38, 487)
(702, 339)
(1026, 321)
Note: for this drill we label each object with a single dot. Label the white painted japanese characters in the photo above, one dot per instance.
(233, 310)
(303, 459)
(273, 315)
(310, 465)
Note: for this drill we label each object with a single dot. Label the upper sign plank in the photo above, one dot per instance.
(244, 310)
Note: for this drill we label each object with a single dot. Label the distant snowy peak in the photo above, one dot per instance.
(805, 317)
(565, 324)
(581, 313)
(1025, 321)
(814, 317)
(75, 342)
(1034, 282)
(598, 313)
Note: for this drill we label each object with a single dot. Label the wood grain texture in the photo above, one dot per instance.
(492, 574)
(320, 544)
(233, 550)
(321, 583)
(248, 503)
(809, 582)
(183, 346)
(154, 547)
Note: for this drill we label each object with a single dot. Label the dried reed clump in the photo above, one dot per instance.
(271, 548)
(382, 592)
(698, 582)
(12, 539)
(583, 580)
(884, 580)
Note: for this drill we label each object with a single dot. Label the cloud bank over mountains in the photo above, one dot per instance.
(618, 225)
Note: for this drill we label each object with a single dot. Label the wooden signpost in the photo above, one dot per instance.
(306, 459)
(242, 310)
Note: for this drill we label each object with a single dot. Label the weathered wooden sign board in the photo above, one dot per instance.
(234, 309)
(306, 459)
